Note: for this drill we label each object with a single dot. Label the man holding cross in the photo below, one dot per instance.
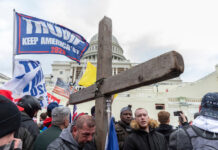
(143, 136)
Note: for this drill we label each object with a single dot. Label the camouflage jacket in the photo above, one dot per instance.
(123, 130)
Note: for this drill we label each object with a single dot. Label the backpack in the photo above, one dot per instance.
(200, 142)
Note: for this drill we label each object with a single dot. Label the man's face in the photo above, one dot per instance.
(83, 135)
(126, 116)
(142, 118)
(66, 121)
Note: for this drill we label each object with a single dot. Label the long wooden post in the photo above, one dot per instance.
(104, 70)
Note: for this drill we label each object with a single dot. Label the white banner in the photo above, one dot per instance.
(28, 80)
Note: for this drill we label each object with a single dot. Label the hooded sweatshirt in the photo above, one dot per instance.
(65, 141)
(166, 130)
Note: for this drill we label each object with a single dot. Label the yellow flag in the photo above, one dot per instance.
(89, 76)
(113, 97)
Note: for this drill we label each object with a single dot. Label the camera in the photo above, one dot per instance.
(177, 113)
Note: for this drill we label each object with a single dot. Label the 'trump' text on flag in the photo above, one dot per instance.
(37, 36)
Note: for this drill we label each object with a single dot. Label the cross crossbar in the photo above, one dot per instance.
(163, 67)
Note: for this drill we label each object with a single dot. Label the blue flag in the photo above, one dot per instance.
(37, 36)
(112, 142)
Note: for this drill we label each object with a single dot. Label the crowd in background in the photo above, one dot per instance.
(57, 130)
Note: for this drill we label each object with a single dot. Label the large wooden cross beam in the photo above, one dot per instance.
(163, 67)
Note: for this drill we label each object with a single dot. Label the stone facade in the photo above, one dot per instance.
(3, 79)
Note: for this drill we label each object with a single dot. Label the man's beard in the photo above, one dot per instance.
(77, 139)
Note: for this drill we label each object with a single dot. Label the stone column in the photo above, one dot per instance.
(74, 73)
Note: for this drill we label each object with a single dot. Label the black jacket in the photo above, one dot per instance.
(141, 140)
(166, 130)
(27, 132)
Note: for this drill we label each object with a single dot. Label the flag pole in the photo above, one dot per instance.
(14, 41)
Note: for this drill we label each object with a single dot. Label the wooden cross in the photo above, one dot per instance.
(163, 67)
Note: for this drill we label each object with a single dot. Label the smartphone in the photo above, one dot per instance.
(177, 113)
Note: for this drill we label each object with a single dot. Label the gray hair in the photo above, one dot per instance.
(59, 115)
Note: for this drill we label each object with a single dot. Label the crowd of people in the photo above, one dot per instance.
(135, 131)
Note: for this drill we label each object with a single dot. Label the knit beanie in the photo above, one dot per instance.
(126, 108)
(10, 117)
(93, 110)
(51, 106)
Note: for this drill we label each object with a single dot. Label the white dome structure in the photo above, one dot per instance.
(92, 52)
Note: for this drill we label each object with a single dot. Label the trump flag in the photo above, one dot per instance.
(28, 80)
(36, 36)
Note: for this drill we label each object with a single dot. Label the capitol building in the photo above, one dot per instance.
(170, 95)
(70, 71)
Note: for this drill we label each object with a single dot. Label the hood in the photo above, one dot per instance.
(152, 124)
(25, 117)
(135, 126)
(125, 126)
(165, 127)
(66, 135)
(121, 123)
(206, 123)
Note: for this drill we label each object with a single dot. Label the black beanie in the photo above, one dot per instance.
(93, 110)
(10, 116)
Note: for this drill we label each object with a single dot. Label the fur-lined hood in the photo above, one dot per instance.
(152, 124)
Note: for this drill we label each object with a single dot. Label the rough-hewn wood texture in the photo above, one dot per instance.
(163, 67)
(104, 70)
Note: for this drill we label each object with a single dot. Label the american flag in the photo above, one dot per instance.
(62, 88)
(52, 98)
(74, 111)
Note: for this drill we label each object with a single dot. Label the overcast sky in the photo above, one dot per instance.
(144, 29)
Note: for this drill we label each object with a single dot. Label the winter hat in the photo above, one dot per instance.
(8, 94)
(10, 117)
(126, 108)
(51, 106)
(209, 105)
(93, 110)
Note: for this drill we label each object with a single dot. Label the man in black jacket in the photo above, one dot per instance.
(143, 136)
(164, 127)
(28, 130)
